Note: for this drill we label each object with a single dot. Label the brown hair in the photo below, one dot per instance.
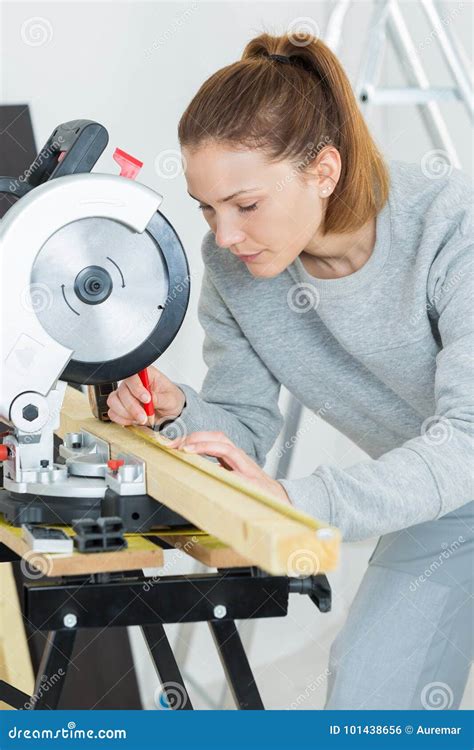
(287, 109)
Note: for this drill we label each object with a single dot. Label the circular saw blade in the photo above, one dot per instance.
(121, 322)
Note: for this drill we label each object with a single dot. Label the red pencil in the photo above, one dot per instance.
(149, 408)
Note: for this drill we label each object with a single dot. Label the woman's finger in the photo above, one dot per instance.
(198, 437)
(115, 417)
(134, 385)
(234, 457)
(130, 405)
(116, 407)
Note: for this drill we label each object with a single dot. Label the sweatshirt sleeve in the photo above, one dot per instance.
(430, 475)
(239, 395)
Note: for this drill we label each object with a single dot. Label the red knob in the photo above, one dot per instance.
(115, 463)
(4, 452)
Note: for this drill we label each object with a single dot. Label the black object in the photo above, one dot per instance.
(236, 665)
(281, 58)
(73, 147)
(17, 150)
(104, 534)
(139, 513)
(24, 507)
(73, 605)
(98, 395)
(174, 689)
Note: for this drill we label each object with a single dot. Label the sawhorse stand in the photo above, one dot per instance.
(63, 606)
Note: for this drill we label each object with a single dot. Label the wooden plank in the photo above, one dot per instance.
(270, 534)
(204, 548)
(15, 662)
(141, 553)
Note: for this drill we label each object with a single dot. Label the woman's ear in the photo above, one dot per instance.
(326, 169)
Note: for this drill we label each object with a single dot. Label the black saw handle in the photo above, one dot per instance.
(72, 147)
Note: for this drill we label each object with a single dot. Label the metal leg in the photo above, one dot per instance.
(236, 666)
(415, 73)
(337, 14)
(52, 670)
(452, 56)
(12, 696)
(167, 668)
(372, 62)
(293, 416)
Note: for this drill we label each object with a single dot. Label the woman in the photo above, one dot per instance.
(349, 282)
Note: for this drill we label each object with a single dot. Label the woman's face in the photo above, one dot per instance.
(254, 208)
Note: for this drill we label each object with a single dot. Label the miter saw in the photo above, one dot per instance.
(94, 288)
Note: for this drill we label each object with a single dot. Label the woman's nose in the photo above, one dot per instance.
(226, 235)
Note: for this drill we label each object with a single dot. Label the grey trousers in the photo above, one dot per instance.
(407, 642)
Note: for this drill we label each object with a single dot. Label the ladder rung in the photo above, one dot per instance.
(408, 95)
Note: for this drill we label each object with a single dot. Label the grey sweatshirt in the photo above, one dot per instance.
(385, 355)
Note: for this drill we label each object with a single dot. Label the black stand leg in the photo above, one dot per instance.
(53, 668)
(11, 695)
(236, 666)
(167, 668)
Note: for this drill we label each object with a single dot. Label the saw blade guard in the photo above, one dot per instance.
(100, 288)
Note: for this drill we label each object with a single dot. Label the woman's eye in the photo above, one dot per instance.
(242, 209)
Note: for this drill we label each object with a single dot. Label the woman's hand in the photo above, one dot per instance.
(230, 457)
(126, 403)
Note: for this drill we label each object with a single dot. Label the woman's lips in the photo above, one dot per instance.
(249, 258)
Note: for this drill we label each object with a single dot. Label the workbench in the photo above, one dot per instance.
(248, 574)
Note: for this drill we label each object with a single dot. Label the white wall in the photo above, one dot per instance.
(134, 66)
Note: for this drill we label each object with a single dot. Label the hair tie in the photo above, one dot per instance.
(280, 58)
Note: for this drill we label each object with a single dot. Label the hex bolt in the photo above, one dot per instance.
(70, 620)
(30, 412)
(220, 611)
